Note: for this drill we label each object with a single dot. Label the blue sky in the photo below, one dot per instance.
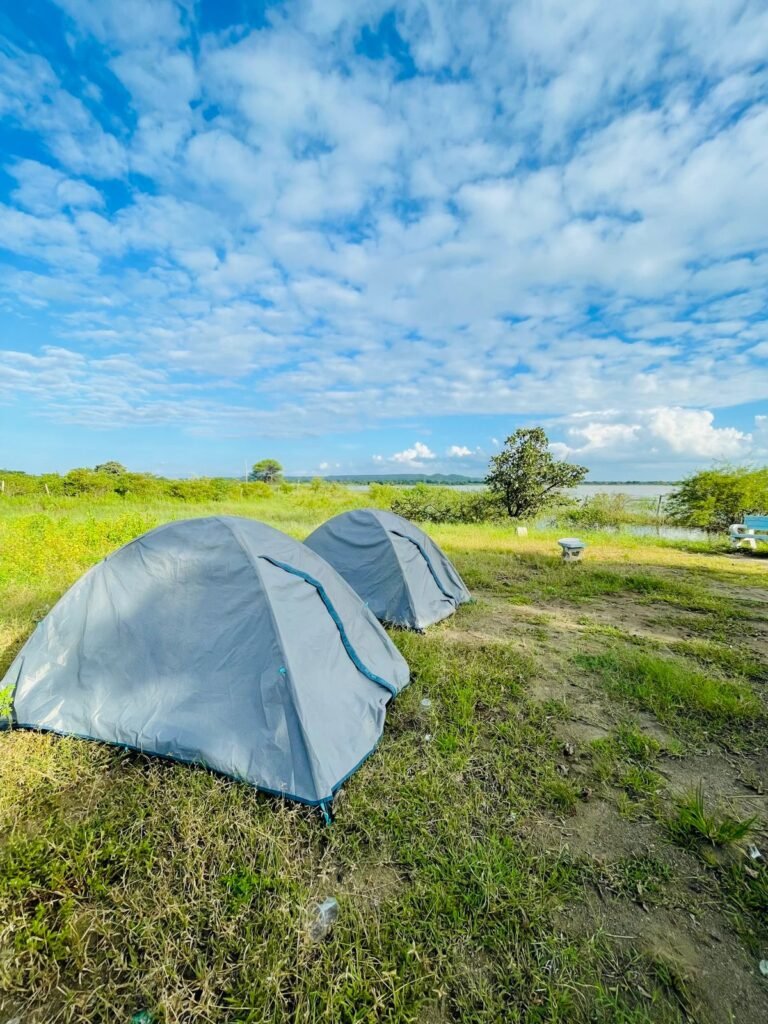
(366, 236)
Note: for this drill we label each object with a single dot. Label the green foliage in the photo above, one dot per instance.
(526, 476)
(115, 468)
(383, 495)
(608, 510)
(269, 471)
(199, 490)
(712, 499)
(693, 822)
(427, 503)
(6, 702)
(674, 691)
(78, 482)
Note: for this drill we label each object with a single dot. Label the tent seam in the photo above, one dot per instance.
(403, 575)
(354, 657)
(308, 745)
(431, 568)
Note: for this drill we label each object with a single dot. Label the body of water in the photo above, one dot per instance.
(648, 491)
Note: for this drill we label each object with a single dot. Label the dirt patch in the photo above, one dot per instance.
(373, 883)
(734, 782)
(651, 726)
(723, 981)
(596, 830)
(579, 733)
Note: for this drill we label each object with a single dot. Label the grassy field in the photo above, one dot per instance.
(563, 835)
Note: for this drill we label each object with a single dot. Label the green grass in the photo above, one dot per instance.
(625, 759)
(693, 821)
(136, 883)
(675, 691)
(725, 657)
(644, 877)
(128, 884)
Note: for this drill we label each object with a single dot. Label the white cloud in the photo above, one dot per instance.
(560, 210)
(667, 434)
(414, 456)
(150, 20)
(692, 432)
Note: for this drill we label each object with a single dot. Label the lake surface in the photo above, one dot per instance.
(648, 491)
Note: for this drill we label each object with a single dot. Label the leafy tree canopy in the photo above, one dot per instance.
(712, 499)
(116, 468)
(526, 476)
(268, 471)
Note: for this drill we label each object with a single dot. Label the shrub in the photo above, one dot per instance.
(258, 489)
(383, 495)
(714, 498)
(191, 490)
(426, 503)
(607, 510)
(87, 481)
(17, 483)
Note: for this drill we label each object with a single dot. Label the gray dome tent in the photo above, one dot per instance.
(399, 572)
(218, 641)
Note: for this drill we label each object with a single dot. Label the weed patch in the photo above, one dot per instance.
(694, 822)
(674, 691)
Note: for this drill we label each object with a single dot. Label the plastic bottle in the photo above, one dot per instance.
(324, 919)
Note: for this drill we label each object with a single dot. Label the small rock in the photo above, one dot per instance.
(569, 749)
(563, 769)
(427, 737)
(754, 853)
(426, 703)
(764, 968)
(586, 793)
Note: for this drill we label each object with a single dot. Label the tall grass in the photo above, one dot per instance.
(674, 690)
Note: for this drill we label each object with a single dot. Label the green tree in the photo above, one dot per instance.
(115, 468)
(526, 476)
(268, 471)
(712, 499)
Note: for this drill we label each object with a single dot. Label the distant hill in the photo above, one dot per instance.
(443, 479)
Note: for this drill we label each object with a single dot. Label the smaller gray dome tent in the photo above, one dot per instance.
(218, 641)
(400, 573)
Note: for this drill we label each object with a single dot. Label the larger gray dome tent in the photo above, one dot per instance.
(218, 641)
(400, 573)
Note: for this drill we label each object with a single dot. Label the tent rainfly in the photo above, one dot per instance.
(400, 573)
(218, 641)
